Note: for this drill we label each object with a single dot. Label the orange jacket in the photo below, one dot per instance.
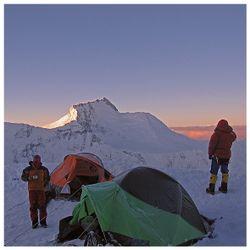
(37, 178)
(221, 141)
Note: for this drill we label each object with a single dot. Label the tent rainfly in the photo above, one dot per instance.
(144, 204)
(77, 170)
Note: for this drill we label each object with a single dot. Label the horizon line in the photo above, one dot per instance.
(184, 126)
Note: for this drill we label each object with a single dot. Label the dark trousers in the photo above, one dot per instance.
(223, 165)
(37, 200)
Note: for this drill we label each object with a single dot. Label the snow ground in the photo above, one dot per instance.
(230, 230)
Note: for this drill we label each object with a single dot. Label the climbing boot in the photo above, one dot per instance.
(43, 223)
(212, 182)
(34, 224)
(210, 189)
(223, 187)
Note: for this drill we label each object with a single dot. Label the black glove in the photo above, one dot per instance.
(25, 176)
(210, 157)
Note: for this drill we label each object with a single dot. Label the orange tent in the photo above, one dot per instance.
(86, 168)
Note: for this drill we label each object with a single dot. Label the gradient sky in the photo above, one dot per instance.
(183, 63)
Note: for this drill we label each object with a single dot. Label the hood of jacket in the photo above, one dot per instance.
(223, 126)
(31, 164)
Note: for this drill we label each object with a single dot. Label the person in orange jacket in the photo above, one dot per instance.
(37, 177)
(219, 151)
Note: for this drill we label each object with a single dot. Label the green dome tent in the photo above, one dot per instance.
(143, 204)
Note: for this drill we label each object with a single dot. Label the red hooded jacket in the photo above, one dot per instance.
(221, 141)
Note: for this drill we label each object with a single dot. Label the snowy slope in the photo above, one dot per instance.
(230, 230)
(69, 117)
(123, 141)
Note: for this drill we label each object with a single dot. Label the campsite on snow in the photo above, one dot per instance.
(140, 180)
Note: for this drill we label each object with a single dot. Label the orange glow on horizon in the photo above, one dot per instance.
(204, 133)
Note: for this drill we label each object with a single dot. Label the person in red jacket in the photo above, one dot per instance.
(37, 177)
(219, 151)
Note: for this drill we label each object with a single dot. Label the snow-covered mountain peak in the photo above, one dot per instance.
(84, 111)
(104, 102)
(69, 117)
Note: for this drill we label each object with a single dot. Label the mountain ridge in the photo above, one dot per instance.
(98, 127)
(72, 114)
